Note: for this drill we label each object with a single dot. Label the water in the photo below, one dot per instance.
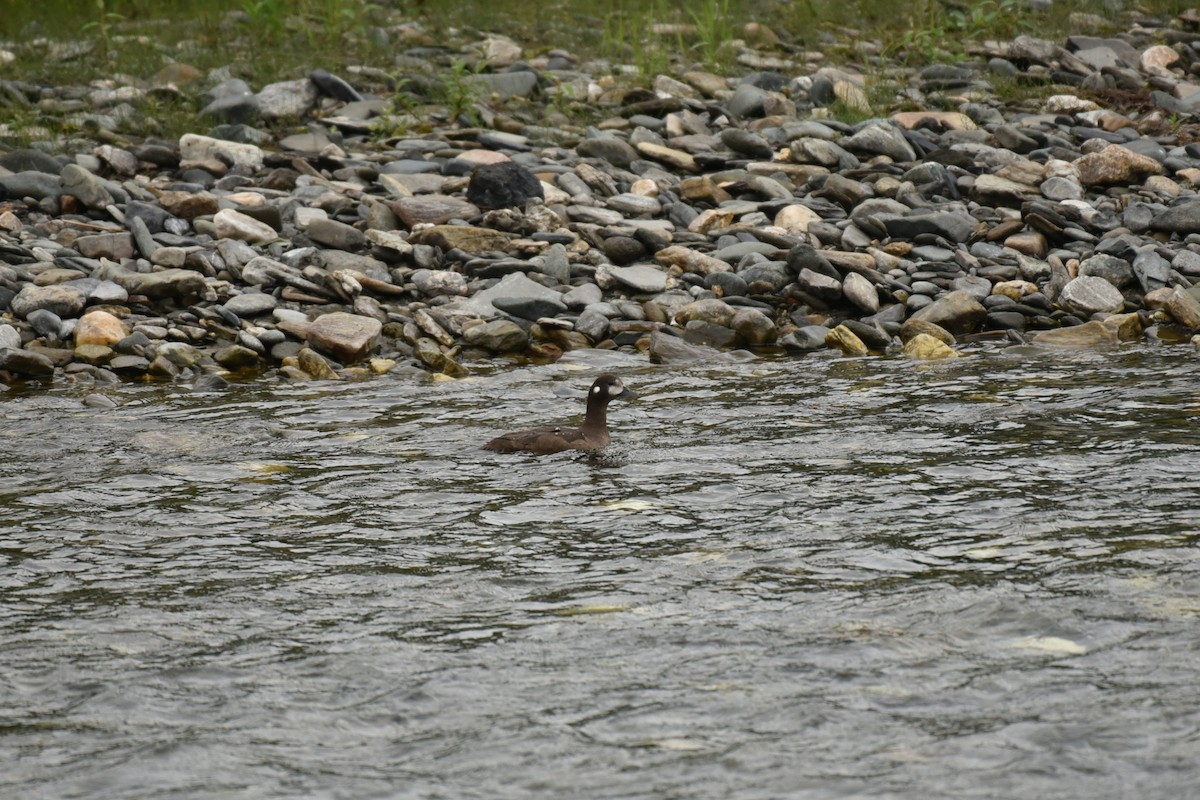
(814, 578)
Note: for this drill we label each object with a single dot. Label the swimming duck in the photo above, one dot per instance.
(592, 435)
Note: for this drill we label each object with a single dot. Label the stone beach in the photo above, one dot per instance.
(711, 217)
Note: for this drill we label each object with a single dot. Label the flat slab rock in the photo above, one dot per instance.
(345, 337)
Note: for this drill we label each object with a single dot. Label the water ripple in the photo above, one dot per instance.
(818, 576)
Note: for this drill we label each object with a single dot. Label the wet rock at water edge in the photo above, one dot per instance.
(346, 337)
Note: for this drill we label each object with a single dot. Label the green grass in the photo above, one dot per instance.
(261, 41)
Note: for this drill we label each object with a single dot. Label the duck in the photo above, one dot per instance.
(592, 435)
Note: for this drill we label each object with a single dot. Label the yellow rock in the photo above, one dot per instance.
(99, 327)
(1127, 327)
(844, 339)
(1089, 334)
(913, 328)
(381, 365)
(796, 218)
(1014, 290)
(926, 348)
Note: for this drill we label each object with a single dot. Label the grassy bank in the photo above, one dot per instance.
(77, 42)
(271, 39)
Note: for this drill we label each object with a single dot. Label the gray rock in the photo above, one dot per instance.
(1151, 270)
(98, 291)
(583, 295)
(505, 84)
(555, 263)
(29, 159)
(9, 337)
(233, 106)
(433, 208)
(177, 284)
(63, 301)
(251, 304)
(593, 325)
(730, 283)
(615, 151)
(977, 287)
(634, 205)
(45, 322)
(116, 246)
(338, 235)
(37, 185)
(958, 312)
(1187, 263)
(747, 143)
(497, 336)
(824, 153)
(734, 253)
(881, 140)
(820, 286)
(1089, 294)
(706, 333)
(514, 285)
(345, 337)
(667, 349)
(753, 327)
(955, 226)
(861, 292)
(434, 282)
(643, 279)
(1058, 189)
(747, 101)
(530, 308)
(286, 100)
(25, 363)
(1183, 218)
(1116, 271)
(806, 338)
(85, 186)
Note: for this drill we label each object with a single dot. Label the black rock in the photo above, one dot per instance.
(333, 86)
(503, 185)
(623, 249)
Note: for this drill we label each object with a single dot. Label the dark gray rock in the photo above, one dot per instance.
(37, 185)
(503, 185)
(747, 143)
(25, 364)
(615, 151)
(954, 226)
(530, 308)
(1183, 218)
(1116, 271)
(333, 86)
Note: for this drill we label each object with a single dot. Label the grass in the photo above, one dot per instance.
(128, 42)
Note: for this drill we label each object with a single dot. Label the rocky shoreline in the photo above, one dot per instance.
(708, 215)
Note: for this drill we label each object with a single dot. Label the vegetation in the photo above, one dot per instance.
(129, 42)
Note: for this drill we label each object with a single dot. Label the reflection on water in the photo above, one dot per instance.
(811, 577)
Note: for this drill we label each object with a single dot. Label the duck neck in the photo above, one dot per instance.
(595, 421)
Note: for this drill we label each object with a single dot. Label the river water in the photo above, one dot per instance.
(817, 578)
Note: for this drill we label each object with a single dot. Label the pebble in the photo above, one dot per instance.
(715, 213)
